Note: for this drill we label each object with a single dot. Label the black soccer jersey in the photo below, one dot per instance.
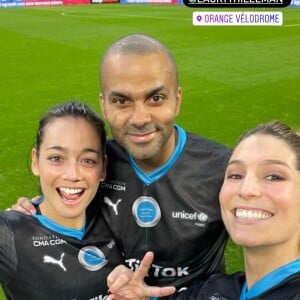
(173, 211)
(37, 262)
(281, 284)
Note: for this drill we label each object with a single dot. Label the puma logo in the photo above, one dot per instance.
(113, 205)
(52, 260)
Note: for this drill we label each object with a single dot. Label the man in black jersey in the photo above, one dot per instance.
(162, 184)
(260, 208)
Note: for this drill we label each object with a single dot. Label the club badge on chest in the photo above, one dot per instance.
(146, 211)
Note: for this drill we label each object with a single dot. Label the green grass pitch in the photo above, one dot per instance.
(232, 77)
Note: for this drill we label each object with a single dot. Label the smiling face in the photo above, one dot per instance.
(70, 167)
(260, 196)
(140, 100)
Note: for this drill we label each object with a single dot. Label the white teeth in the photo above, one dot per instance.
(246, 214)
(70, 191)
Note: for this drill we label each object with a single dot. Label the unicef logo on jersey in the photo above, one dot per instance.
(92, 258)
(146, 211)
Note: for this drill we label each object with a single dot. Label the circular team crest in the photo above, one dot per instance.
(146, 211)
(92, 258)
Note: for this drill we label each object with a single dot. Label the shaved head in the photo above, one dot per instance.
(137, 44)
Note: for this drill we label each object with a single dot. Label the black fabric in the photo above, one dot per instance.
(30, 255)
(190, 238)
(228, 287)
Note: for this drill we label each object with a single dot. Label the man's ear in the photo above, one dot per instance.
(35, 162)
(178, 100)
(101, 102)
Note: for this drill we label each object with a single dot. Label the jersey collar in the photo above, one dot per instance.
(149, 178)
(270, 280)
(48, 223)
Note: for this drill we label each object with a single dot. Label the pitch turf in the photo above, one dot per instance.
(232, 77)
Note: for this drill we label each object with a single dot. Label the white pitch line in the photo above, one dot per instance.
(150, 17)
(108, 15)
(291, 25)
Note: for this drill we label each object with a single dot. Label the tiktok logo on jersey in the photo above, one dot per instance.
(99, 297)
(92, 258)
(159, 271)
(146, 211)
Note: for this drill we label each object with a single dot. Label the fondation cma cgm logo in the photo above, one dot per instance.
(237, 3)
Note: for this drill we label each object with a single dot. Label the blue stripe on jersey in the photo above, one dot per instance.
(48, 223)
(155, 175)
(270, 280)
